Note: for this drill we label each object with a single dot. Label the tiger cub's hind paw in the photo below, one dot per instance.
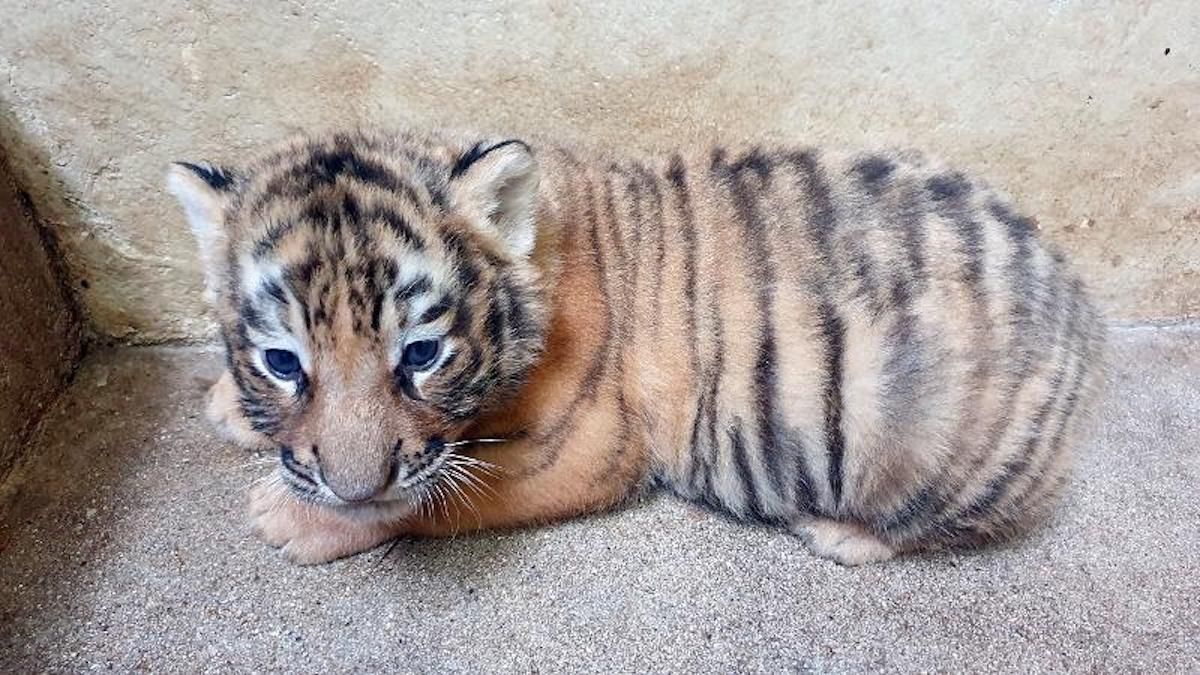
(844, 543)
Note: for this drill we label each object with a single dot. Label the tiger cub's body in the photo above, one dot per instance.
(872, 351)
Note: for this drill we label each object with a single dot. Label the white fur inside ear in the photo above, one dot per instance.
(201, 202)
(500, 190)
(203, 206)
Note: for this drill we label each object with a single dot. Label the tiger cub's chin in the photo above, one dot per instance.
(442, 332)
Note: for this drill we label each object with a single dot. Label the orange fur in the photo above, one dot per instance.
(872, 350)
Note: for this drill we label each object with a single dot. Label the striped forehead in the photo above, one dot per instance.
(378, 288)
(412, 174)
(314, 278)
(315, 235)
(349, 231)
(341, 211)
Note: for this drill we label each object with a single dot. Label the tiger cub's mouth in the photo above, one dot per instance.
(297, 476)
(443, 471)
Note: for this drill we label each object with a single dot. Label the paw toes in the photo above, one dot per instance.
(265, 498)
(310, 535)
(270, 536)
(223, 410)
(854, 553)
(843, 543)
(308, 552)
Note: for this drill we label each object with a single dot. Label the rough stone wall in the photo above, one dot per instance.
(1086, 111)
(39, 330)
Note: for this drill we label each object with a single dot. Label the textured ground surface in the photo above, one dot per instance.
(125, 547)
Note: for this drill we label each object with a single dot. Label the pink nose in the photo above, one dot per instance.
(356, 493)
(357, 483)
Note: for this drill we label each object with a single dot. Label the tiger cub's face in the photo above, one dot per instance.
(375, 295)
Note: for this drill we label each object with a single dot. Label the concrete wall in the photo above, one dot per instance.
(39, 330)
(1087, 111)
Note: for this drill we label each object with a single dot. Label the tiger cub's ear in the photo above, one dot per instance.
(203, 190)
(495, 184)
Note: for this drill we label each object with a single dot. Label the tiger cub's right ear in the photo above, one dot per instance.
(496, 185)
(204, 190)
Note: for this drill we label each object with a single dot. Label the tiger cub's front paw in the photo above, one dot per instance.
(225, 412)
(309, 534)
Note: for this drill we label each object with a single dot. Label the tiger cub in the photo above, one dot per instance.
(441, 333)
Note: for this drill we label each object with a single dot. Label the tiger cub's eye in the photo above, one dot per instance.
(283, 364)
(420, 355)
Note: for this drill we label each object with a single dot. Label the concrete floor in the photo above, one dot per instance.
(124, 547)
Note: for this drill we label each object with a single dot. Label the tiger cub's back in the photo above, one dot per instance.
(869, 337)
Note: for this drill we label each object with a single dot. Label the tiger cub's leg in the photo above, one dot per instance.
(223, 409)
(523, 490)
(841, 542)
(309, 534)
(519, 488)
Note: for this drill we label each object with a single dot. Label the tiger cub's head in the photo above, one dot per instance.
(375, 293)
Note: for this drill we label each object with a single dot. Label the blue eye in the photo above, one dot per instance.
(283, 364)
(421, 354)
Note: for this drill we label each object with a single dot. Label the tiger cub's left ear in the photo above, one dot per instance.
(204, 190)
(496, 184)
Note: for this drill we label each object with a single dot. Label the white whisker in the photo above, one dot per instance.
(280, 496)
(454, 482)
(423, 504)
(256, 462)
(273, 476)
(473, 481)
(441, 495)
(467, 460)
(426, 503)
(473, 441)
